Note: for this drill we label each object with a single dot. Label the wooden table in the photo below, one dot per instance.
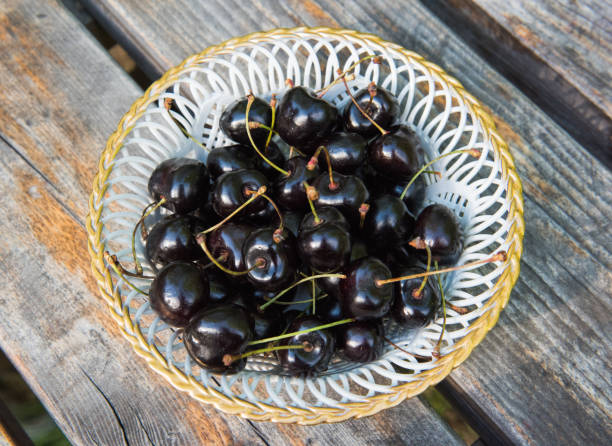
(542, 376)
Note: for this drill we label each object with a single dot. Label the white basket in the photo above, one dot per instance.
(484, 193)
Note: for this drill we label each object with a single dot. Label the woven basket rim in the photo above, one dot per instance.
(312, 414)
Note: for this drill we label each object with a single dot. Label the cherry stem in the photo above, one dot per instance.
(363, 211)
(222, 258)
(201, 239)
(314, 297)
(278, 232)
(434, 172)
(125, 272)
(389, 341)
(296, 333)
(293, 285)
(374, 123)
(250, 100)
(167, 104)
(344, 74)
(474, 152)
(315, 160)
(112, 261)
(417, 294)
(456, 309)
(270, 129)
(148, 210)
(229, 359)
(304, 301)
(436, 350)
(500, 256)
(257, 125)
(256, 194)
(311, 195)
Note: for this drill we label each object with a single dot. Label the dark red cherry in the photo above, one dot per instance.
(292, 220)
(219, 330)
(329, 309)
(387, 224)
(277, 255)
(359, 296)
(228, 159)
(326, 214)
(219, 288)
(330, 285)
(266, 323)
(181, 181)
(274, 154)
(410, 311)
(299, 361)
(232, 189)
(414, 197)
(228, 241)
(233, 121)
(289, 191)
(382, 108)
(438, 227)
(360, 341)
(303, 120)
(348, 196)
(347, 151)
(397, 155)
(324, 247)
(173, 238)
(179, 291)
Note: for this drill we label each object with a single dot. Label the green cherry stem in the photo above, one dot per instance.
(293, 285)
(374, 123)
(277, 236)
(304, 301)
(419, 292)
(270, 130)
(250, 100)
(344, 74)
(253, 197)
(312, 195)
(112, 261)
(229, 359)
(314, 160)
(307, 330)
(436, 350)
(201, 240)
(167, 104)
(474, 152)
(148, 210)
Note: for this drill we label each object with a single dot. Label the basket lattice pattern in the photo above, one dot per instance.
(485, 194)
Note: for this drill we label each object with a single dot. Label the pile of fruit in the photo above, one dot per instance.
(304, 255)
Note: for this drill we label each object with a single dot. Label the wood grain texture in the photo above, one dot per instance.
(61, 96)
(541, 374)
(559, 53)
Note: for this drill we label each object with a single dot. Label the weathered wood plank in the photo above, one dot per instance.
(558, 52)
(61, 96)
(547, 359)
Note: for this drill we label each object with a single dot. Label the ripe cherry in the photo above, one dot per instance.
(234, 188)
(289, 191)
(227, 242)
(316, 359)
(172, 239)
(387, 224)
(228, 159)
(347, 151)
(233, 121)
(360, 341)
(182, 182)
(378, 103)
(411, 311)
(348, 194)
(437, 227)
(397, 155)
(360, 297)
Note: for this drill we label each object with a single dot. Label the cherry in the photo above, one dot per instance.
(414, 196)
(324, 246)
(325, 214)
(227, 242)
(233, 120)
(179, 290)
(360, 341)
(289, 192)
(303, 119)
(348, 195)
(347, 151)
(397, 155)
(387, 224)
(228, 159)
(274, 154)
(316, 359)
(214, 332)
(172, 238)
(265, 323)
(360, 297)
(219, 288)
(181, 182)
(292, 221)
(382, 107)
(277, 255)
(437, 227)
(411, 311)
(234, 188)
(329, 309)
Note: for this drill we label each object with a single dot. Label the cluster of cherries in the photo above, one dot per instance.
(304, 256)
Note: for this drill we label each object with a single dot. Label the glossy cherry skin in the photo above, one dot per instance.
(181, 181)
(289, 191)
(359, 296)
(303, 120)
(231, 191)
(438, 227)
(173, 238)
(228, 159)
(387, 224)
(179, 291)
(360, 341)
(397, 155)
(329, 309)
(330, 285)
(325, 247)
(266, 323)
(233, 121)
(292, 220)
(217, 282)
(299, 361)
(410, 311)
(326, 214)
(350, 193)
(274, 154)
(347, 151)
(216, 331)
(414, 197)
(382, 108)
(228, 240)
(279, 258)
